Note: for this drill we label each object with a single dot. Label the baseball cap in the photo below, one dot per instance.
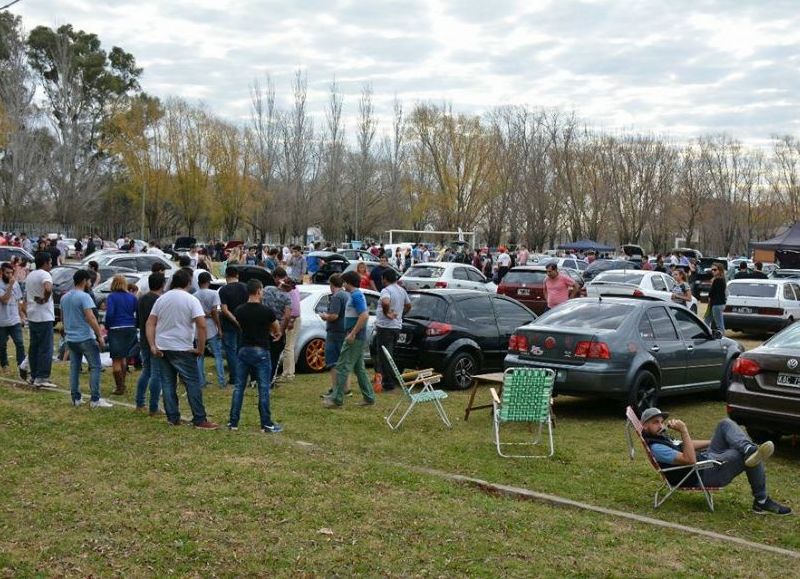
(651, 413)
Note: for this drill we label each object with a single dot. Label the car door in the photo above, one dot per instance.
(662, 341)
(477, 321)
(476, 279)
(795, 314)
(510, 316)
(659, 286)
(705, 357)
(460, 279)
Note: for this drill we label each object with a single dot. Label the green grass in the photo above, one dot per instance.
(86, 492)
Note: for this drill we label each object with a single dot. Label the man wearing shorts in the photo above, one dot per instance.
(334, 326)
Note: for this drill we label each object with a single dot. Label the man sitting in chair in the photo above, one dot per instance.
(729, 445)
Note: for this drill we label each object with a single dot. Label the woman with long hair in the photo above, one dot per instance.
(361, 270)
(121, 325)
(680, 291)
(716, 297)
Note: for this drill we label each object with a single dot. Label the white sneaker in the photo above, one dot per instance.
(102, 403)
(77, 403)
(44, 383)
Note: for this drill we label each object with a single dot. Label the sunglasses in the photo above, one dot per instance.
(714, 269)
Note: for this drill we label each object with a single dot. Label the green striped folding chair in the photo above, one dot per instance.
(423, 381)
(526, 398)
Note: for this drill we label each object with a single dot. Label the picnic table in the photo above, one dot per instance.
(491, 379)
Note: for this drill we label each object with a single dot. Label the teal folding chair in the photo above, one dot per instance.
(423, 381)
(526, 398)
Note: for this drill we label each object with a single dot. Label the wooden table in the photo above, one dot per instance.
(492, 379)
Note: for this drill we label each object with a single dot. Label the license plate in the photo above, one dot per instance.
(523, 292)
(402, 339)
(742, 310)
(789, 380)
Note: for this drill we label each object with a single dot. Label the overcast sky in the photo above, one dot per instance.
(679, 67)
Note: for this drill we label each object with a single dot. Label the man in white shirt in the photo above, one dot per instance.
(211, 303)
(12, 315)
(175, 319)
(41, 315)
(388, 323)
(503, 264)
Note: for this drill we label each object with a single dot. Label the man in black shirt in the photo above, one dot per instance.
(150, 373)
(232, 295)
(259, 328)
(377, 273)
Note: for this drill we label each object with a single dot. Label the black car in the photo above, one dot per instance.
(458, 332)
(330, 262)
(62, 281)
(248, 272)
(701, 279)
(601, 265)
(631, 349)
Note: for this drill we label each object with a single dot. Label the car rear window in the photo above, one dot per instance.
(527, 277)
(788, 338)
(425, 271)
(589, 315)
(752, 290)
(62, 275)
(622, 276)
(427, 307)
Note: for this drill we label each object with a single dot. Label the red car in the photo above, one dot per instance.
(525, 283)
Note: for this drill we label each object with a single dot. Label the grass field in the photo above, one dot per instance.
(113, 492)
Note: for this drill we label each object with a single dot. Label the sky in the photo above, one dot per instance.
(678, 68)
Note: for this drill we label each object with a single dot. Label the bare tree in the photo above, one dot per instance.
(264, 121)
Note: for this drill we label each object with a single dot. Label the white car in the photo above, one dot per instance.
(562, 262)
(765, 305)
(634, 282)
(445, 274)
(309, 349)
(135, 261)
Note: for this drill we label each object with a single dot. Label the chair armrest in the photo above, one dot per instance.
(495, 397)
(411, 374)
(701, 465)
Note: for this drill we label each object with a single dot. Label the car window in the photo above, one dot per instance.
(646, 329)
(621, 276)
(522, 277)
(427, 307)
(796, 289)
(788, 338)
(425, 271)
(322, 304)
(510, 315)
(476, 312)
(372, 303)
(475, 276)
(788, 294)
(663, 329)
(125, 262)
(569, 263)
(752, 290)
(688, 326)
(460, 273)
(582, 265)
(669, 282)
(587, 314)
(658, 283)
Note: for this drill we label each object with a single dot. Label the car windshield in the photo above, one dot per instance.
(425, 271)
(752, 290)
(62, 275)
(622, 276)
(788, 338)
(427, 307)
(524, 277)
(587, 315)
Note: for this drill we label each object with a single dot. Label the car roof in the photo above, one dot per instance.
(529, 268)
(451, 292)
(327, 255)
(760, 281)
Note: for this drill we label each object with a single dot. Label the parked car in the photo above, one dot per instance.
(458, 332)
(780, 273)
(445, 275)
(357, 254)
(330, 262)
(309, 348)
(600, 265)
(62, 281)
(248, 272)
(98, 253)
(525, 283)
(135, 261)
(562, 262)
(7, 252)
(764, 394)
(762, 305)
(636, 283)
(701, 280)
(631, 349)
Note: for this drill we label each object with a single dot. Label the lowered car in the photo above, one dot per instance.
(630, 349)
(459, 333)
(445, 275)
(764, 394)
(634, 283)
(762, 305)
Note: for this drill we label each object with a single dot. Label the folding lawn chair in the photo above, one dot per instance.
(526, 398)
(633, 423)
(424, 379)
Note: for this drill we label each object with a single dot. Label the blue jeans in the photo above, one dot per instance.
(255, 362)
(729, 445)
(230, 343)
(15, 332)
(40, 350)
(77, 350)
(184, 364)
(216, 347)
(150, 374)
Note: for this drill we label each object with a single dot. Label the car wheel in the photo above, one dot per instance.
(312, 357)
(789, 322)
(644, 391)
(460, 370)
(760, 435)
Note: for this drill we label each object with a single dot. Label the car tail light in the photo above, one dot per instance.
(440, 284)
(637, 293)
(746, 367)
(770, 311)
(592, 350)
(438, 329)
(728, 309)
(517, 343)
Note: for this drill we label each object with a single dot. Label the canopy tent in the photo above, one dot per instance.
(788, 240)
(585, 245)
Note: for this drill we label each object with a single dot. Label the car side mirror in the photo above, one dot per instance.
(716, 334)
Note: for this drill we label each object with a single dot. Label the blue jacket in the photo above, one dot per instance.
(121, 310)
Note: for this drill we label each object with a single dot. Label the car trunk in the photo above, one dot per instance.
(739, 304)
(775, 376)
(549, 344)
(598, 288)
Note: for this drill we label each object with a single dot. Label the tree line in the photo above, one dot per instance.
(82, 145)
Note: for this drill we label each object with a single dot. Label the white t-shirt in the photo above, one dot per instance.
(176, 311)
(398, 298)
(34, 288)
(209, 299)
(503, 260)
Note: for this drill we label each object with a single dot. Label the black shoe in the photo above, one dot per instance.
(770, 507)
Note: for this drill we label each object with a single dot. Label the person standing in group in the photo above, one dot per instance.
(292, 329)
(84, 339)
(176, 319)
(716, 297)
(558, 287)
(352, 355)
(121, 325)
(210, 301)
(150, 374)
(681, 294)
(41, 318)
(232, 295)
(377, 273)
(280, 303)
(259, 330)
(12, 317)
(334, 326)
(522, 255)
(503, 264)
(297, 266)
(361, 269)
(393, 306)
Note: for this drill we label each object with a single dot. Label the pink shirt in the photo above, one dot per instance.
(558, 289)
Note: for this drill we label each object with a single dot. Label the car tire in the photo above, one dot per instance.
(789, 322)
(643, 392)
(460, 369)
(312, 356)
(761, 435)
